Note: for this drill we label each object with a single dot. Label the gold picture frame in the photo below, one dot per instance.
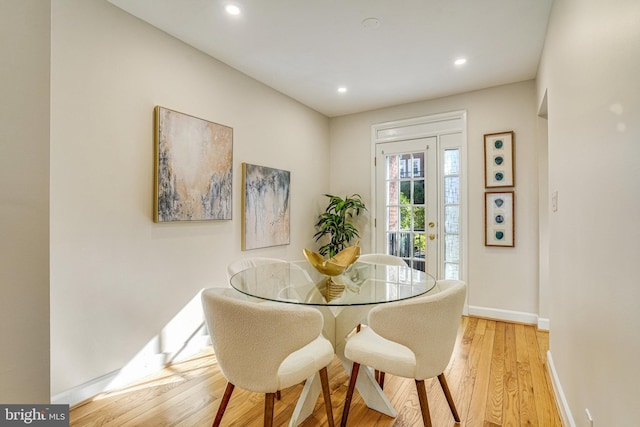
(193, 168)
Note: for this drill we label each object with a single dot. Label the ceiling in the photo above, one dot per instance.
(306, 49)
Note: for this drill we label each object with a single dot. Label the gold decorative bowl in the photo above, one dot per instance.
(336, 265)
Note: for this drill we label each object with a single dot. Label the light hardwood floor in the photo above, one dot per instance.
(497, 376)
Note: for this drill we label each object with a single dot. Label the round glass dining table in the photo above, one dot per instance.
(344, 302)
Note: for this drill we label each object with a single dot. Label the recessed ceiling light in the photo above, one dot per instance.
(232, 9)
(460, 61)
(342, 89)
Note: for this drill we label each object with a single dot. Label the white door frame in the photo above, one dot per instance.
(420, 127)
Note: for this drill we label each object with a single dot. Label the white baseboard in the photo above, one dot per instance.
(543, 324)
(561, 400)
(506, 315)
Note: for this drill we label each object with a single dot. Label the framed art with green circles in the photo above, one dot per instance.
(499, 220)
(498, 160)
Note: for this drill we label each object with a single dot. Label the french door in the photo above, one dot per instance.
(407, 202)
(419, 203)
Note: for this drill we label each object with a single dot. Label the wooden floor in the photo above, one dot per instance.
(497, 375)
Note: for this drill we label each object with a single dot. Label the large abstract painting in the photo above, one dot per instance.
(193, 168)
(266, 214)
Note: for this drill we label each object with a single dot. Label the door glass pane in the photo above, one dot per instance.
(405, 218)
(451, 247)
(418, 165)
(392, 192)
(451, 271)
(405, 245)
(451, 219)
(451, 189)
(392, 167)
(418, 192)
(405, 192)
(392, 218)
(451, 162)
(405, 166)
(418, 218)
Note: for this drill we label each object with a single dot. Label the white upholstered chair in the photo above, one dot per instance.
(413, 338)
(265, 348)
(244, 263)
(382, 259)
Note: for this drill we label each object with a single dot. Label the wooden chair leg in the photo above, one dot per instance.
(269, 401)
(424, 404)
(324, 379)
(376, 375)
(347, 399)
(447, 393)
(223, 404)
(381, 380)
(278, 395)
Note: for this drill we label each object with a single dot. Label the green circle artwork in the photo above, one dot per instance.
(499, 235)
(498, 160)
(499, 176)
(498, 144)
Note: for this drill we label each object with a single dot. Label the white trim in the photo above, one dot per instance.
(422, 127)
(543, 324)
(507, 315)
(561, 400)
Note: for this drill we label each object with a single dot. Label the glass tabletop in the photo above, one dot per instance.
(361, 284)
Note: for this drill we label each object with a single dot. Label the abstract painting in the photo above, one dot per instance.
(499, 220)
(498, 160)
(193, 168)
(266, 214)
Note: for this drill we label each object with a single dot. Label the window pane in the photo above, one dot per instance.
(392, 192)
(418, 165)
(419, 265)
(392, 167)
(405, 218)
(451, 247)
(418, 192)
(405, 166)
(392, 218)
(452, 219)
(451, 162)
(418, 218)
(451, 190)
(405, 245)
(419, 245)
(451, 271)
(405, 192)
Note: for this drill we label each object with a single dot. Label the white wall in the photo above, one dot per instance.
(24, 201)
(591, 69)
(116, 277)
(499, 278)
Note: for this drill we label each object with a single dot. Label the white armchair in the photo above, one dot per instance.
(265, 348)
(382, 259)
(413, 339)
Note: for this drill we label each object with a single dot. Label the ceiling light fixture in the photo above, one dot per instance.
(342, 89)
(460, 61)
(232, 9)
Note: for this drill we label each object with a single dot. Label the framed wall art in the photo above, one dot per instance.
(267, 208)
(498, 160)
(499, 219)
(193, 168)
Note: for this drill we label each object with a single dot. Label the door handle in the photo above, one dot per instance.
(432, 236)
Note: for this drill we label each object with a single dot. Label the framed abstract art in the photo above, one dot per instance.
(499, 219)
(266, 216)
(498, 160)
(193, 168)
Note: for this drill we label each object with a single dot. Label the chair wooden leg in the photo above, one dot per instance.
(381, 380)
(278, 395)
(324, 379)
(424, 404)
(347, 399)
(223, 404)
(269, 401)
(447, 393)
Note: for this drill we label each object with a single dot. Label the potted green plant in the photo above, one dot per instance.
(335, 223)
